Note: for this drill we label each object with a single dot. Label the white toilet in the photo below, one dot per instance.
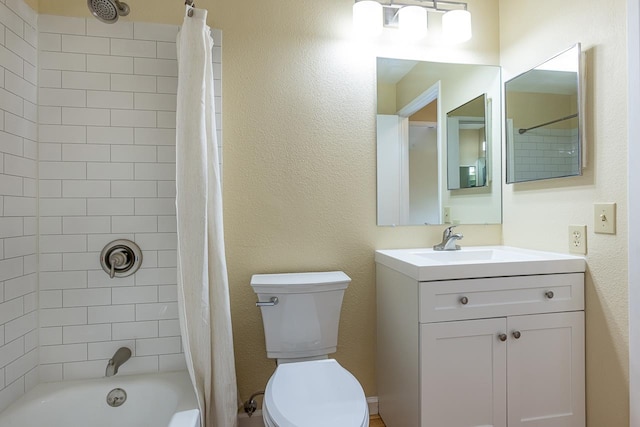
(300, 313)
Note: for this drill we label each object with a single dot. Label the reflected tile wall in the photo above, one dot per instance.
(546, 153)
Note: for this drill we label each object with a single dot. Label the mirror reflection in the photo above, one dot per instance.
(467, 145)
(412, 149)
(543, 120)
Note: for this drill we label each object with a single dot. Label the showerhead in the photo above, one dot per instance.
(108, 11)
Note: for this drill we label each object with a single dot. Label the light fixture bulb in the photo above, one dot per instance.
(456, 26)
(412, 21)
(367, 18)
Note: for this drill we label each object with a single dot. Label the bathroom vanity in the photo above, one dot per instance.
(484, 336)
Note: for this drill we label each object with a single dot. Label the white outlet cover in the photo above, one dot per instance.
(578, 239)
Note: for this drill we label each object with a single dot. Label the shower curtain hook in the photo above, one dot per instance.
(191, 5)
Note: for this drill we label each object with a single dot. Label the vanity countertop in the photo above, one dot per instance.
(425, 264)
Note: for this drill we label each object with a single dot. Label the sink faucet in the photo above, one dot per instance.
(122, 355)
(448, 240)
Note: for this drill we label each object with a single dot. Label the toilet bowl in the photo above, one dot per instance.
(300, 313)
(318, 393)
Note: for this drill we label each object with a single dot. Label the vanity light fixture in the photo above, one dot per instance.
(370, 16)
(367, 18)
(456, 26)
(412, 22)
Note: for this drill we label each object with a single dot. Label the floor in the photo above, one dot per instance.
(376, 421)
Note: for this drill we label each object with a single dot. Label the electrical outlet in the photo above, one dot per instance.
(604, 218)
(578, 239)
(446, 215)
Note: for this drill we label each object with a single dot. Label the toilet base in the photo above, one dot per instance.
(317, 393)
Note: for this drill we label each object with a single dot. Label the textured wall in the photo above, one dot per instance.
(18, 189)
(299, 155)
(537, 214)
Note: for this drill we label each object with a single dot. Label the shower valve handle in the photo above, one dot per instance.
(117, 259)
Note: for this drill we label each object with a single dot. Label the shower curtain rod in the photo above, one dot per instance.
(521, 131)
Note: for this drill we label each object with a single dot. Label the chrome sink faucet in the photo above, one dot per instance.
(122, 355)
(449, 240)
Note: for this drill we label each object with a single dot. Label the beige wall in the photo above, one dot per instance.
(537, 214)
(299, 175)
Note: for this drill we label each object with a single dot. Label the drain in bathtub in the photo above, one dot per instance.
(116, 397)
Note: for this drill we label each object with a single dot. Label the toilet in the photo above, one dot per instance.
(300, 314)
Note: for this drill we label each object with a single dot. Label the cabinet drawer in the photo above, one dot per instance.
(500, 296)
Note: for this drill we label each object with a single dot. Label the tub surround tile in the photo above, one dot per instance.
(112, 314)
(18, 181)
(172, 362)
(119, 30)
(107, 171)
(11, 392)
(109, 64)
(87, 124)
(61, 24)
(21, 366)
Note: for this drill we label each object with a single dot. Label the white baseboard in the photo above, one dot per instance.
(373, 405)
(256, 419)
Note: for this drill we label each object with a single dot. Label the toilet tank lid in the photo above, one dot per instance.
(300, 282)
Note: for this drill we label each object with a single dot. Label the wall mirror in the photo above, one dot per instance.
(543, 120)
(413, 98)
(467, 145)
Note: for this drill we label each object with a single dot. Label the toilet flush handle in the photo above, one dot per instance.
(273, 301)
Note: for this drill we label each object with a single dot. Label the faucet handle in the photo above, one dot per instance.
(448, 231)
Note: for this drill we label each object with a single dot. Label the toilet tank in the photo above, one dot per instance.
(304, 322)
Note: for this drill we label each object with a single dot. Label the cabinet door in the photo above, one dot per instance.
(462, 374)
(545, 370)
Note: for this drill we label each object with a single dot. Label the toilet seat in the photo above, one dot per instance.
(316, 393)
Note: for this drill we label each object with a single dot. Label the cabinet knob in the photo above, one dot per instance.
(502, 337)
(464, 300)
(549, 294)
(517, 334)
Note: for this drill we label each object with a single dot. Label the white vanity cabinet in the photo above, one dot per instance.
(493, 351)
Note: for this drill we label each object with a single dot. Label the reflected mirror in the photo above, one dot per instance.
(412, 155)
(544, 138)
(467, 145)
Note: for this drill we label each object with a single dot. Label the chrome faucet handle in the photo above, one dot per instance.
(448, 232)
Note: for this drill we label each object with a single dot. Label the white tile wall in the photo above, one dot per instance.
(106, 171)
(87, 154)
(18, 173)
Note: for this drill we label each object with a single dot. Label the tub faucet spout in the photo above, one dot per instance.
(122, 355)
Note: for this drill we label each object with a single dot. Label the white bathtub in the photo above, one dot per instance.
(153, 400)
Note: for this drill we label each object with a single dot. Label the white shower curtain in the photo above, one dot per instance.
(203, 289)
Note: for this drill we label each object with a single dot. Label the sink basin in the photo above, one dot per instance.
(479, 261)
(471, 255)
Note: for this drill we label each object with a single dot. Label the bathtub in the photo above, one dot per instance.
(152, 400)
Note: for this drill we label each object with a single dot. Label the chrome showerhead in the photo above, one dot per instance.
(108, 11)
